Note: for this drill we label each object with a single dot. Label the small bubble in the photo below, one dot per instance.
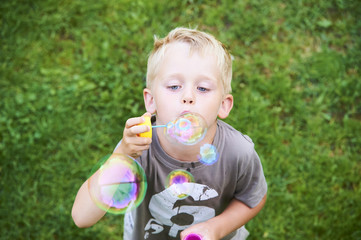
(179, 183)
(208, 154)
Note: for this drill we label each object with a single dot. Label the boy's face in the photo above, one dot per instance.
(187, 83)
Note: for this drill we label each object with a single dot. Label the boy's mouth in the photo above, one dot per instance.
(184, 112)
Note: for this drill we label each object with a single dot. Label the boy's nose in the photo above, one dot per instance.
(188, 100)
(188, 96)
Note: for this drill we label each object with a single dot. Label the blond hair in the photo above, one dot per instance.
(198, 41)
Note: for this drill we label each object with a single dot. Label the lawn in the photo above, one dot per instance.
(72, 73)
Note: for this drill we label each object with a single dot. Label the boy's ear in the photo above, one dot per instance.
(226, 106)
(149, 101)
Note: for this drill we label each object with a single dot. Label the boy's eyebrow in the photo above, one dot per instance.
(181, 76)
(172, 75)
(202, 76)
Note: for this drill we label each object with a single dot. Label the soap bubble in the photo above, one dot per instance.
(119, 185)
(208, 154)
(179, 183)
(188, 129)
(99, 164)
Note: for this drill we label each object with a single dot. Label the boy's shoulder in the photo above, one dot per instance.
(230, 132)
(234, 140)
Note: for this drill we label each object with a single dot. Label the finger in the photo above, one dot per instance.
(133, 148)
(138, 141)
(132, 145)
(147, 114)
(137, 129)
(134, 121)
(184, 233)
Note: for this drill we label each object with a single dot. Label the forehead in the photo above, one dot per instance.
(179, 57)
(188, 49)
(179, 53)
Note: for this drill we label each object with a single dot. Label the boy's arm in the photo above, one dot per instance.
(84, 212)
(233, 217)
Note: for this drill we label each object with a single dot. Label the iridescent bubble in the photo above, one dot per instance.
(99, 164)
(179, 183)
(183, 124)
(119, 185)
(208, 154)
(188, 129)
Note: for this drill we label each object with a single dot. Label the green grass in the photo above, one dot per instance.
(72, 72)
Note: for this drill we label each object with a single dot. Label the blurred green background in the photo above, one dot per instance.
(72, 72)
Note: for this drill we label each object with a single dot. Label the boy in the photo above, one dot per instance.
(188, 71)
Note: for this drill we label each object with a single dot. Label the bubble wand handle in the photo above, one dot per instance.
(193, 236)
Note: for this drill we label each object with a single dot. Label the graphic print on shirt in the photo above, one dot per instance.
(168, 215)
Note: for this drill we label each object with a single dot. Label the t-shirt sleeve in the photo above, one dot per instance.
(117, 145)
(251, 183)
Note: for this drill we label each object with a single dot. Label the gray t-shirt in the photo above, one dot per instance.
(237, 174)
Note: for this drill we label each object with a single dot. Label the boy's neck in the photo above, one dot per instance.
(186, 153)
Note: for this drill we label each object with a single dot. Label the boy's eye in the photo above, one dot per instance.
(173, 87)
(202, 89)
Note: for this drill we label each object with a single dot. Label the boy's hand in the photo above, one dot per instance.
(132, 144)
(203, 229)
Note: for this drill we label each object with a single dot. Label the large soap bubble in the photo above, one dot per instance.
(188, 129)
(119, 185)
